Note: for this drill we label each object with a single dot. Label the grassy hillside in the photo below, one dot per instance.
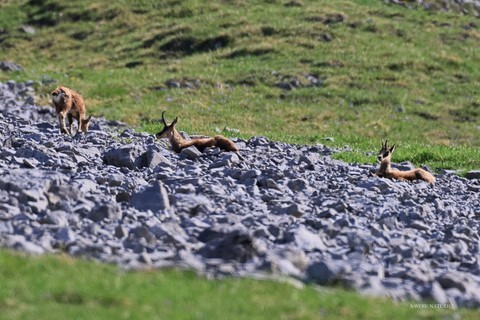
(297, 71)
(60, 288)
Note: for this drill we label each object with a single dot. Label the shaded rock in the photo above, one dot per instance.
(475, 174)
(105, 211)
(324, 272)
(236, 244)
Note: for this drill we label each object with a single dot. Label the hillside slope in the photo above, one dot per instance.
(297, 71)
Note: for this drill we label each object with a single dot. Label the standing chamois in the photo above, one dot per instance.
(179, 143)
(69, 103)
(386, 171)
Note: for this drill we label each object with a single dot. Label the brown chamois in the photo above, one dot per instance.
(386, 171)
(69, 103)
(179, 143)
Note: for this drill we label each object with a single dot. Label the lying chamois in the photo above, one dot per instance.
(179, 143)
(69, 103)
(385, 159)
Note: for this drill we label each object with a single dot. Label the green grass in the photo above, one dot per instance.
(411, 76)
(59, 287)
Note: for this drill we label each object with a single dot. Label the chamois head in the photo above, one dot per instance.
(167, 130)
(59, 94)
(385, 152)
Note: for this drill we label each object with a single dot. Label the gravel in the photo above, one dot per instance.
(120, 196)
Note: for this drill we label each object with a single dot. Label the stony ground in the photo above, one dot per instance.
(464, 6)
(119, 196)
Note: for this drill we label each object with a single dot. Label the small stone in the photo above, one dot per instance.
(28, 29)
(120, 232)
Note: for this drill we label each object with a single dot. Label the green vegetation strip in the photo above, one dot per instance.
(61, 287)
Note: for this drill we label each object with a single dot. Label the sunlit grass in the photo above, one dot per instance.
(61, 287)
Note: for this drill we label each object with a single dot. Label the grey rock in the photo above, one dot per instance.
(154, 197)
(105, 211)
(128, 156)
(151, 159)
(65, 235)
(437, 293)
(28, 29)
(452, 280)
(9, 66)
(19, 242)
(474, 174)
(191, 153)
(323, 272)
(298, 184)
(120, 232)
(236, 244)
(296, 210)
(56, 218)
(192, 204)
(308, 240)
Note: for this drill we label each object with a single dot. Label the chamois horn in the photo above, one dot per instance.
(163, 118)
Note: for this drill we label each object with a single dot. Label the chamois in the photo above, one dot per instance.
(385, 170)
(69, 103)
(179, 143)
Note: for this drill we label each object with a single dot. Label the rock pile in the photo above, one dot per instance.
(119, 196)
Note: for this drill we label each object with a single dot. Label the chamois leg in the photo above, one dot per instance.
(70, 122)
(61, 120)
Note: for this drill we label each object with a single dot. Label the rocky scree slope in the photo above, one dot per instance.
(120, 196)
